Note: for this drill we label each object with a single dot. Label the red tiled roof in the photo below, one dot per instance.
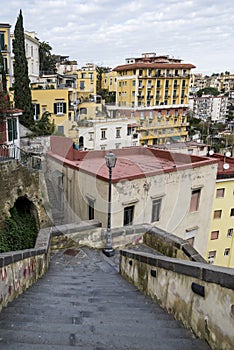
(154, 65)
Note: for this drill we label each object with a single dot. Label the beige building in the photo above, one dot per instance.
(168, 190)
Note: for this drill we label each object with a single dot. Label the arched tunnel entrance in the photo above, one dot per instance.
(21, 228)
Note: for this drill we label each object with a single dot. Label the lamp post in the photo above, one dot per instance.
(110, 163)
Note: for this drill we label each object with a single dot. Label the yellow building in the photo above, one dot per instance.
(5, 47)
(154, 89)
(220, 246)
(109, 81)
(58, 102)
(87, 81)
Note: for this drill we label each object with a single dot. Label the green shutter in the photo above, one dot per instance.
(37, 109)
(55, 108)
(64, 108)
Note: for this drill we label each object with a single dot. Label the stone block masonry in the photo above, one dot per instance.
(199, 295)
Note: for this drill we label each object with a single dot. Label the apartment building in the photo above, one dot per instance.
(107, 134)
(32, 55)
(64, 65)
(209, 107)
(168, 190)
(86, 81)
(220, 245)
(223, 82)
(154, 90)
(58, 102)
(5, 47)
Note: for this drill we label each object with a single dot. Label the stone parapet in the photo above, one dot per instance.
(20, 269)
(199, 295)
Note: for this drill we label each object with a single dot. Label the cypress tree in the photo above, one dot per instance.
(22, 91)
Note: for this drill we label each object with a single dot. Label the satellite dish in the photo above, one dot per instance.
(228, 154)
(211, 152)
(226, 166)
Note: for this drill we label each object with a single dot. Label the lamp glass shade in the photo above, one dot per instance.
(110, 159)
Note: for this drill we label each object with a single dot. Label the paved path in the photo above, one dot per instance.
(83, 303)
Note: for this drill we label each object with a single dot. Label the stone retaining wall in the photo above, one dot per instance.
(200, 295)
(20, 269)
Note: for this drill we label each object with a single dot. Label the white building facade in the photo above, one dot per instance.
(209, 107)
(109, 134)
(167, 190)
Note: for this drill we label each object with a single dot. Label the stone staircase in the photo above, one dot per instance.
(56, 210)
(83, 303)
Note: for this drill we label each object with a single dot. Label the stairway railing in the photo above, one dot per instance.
(8, 152)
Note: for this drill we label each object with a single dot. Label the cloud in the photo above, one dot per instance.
(108, 31)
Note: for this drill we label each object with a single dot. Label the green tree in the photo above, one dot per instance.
(22, 92)
(100, 71)
(208, 91)
(44, 126)
(47, 60)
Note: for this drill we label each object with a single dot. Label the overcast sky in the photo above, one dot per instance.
(105, 32)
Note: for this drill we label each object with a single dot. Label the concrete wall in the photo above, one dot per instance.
(200, 295)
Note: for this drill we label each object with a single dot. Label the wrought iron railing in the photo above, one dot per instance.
(8, 152)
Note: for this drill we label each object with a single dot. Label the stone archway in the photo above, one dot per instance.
(24, 206)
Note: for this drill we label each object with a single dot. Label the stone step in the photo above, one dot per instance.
(83, 303)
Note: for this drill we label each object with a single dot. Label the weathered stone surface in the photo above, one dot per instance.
(19, 181)
(83, 302)
(209, 315)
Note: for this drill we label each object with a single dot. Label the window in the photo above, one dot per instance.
(36, 107)
(90, 136)
(128, 215)
(12, 129)
(2, 41)
(103, 134)
(230, 232)
(212, 254)
(59, 108)
(217, 214)
(195, 198)
(118, 133)
(214, 235)
(156, 206)
(90, 209)
(232, 212)
(220, 192)
(82, 75)
(61, 130)
(82, 85)
(226, 252)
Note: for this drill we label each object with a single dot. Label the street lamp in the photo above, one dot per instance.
(110, 163)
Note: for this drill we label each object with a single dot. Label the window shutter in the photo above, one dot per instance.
(2, 41)
(37, 109)
(64, 108)
(55, 108)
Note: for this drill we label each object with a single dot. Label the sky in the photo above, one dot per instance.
(105, 32)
